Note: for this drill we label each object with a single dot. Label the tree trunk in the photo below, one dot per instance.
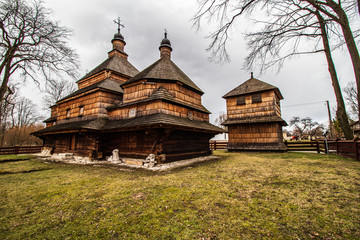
(351, 45)
(341, 111)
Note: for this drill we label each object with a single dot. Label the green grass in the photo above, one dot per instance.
(240, 196)
(4, 158)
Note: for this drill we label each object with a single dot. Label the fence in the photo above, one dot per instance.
(220, 144)
(306, 146)
(348, 148)
(20, 150)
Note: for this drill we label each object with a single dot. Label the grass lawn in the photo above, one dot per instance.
(241, 196)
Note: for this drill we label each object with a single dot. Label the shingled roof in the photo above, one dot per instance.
(251, 86)
(117, 64)
(107, 84)
(164, 69)
(94, 124)
(162, 119)
(104, 124)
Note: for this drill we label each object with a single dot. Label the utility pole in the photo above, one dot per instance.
(330, 121)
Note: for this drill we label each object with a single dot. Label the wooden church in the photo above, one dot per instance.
(254, 118)
(156, 111)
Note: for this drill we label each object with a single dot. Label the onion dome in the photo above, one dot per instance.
(165, 42)
(118, 36)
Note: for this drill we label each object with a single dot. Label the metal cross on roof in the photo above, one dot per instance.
(118, 22)
(165, 33)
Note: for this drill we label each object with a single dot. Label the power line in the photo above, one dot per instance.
(303, 104)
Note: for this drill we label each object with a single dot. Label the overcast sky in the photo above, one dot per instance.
(304, 82)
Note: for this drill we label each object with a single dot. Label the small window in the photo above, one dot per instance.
(68, 113)
(256, 98)
(240, 101)
(132, 113)
(81, 110)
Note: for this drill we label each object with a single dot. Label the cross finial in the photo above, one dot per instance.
(118, 22)
(165, 33)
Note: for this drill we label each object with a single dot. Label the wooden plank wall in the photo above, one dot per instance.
(79, 144)
(136, 144)
(183, 141)
(94, 104)
(139, 144)
(268, 107)
(144, 90)
(183, 144)
(255, 133)
(157, 107)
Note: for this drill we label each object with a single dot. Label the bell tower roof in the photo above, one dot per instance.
(165, 47)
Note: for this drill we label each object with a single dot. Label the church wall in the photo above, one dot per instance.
(144, 90)
(53, 111)
(175, 144)
(79, 144)
(94, 104)
(269, 106)
(157, 107)
(135, 144)
(184, 144)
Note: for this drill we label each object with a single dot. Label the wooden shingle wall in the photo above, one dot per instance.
(255, 133)
(137, 144)
(183, 144)
(269, 106)
(174, 144)
(94, 105)
(144, 90)
(157, 106)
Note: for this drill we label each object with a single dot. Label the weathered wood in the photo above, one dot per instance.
(269, 106)
(144, 90)
(94, 104)
(157, 107)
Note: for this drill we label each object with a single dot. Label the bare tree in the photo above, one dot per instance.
(286, 33)
(299, 125)
(351, 97)
(6, 107)
(56, 90)
(24, 113)
(23, 119)
(221, 119)
(32, 45)
(307, 126)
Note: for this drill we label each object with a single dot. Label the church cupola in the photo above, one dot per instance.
(165, 47)
(118, 42)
